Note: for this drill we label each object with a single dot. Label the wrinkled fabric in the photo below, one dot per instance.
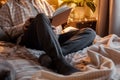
(101, 61)
(24, 61)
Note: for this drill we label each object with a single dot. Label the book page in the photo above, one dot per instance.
(60, 16)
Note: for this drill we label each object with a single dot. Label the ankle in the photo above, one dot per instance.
(64, 68)
(45, 60)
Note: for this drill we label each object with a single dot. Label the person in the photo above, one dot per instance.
(26, 22)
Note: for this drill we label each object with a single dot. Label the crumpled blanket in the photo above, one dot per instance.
(101, 61)
(23, 60)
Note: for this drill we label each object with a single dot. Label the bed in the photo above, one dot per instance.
(100, 61)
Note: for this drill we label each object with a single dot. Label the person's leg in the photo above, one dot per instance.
(76, 40)
(30, 40)
(47, 40)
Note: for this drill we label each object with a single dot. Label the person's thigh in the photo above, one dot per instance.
(77, 40)
(35, 31)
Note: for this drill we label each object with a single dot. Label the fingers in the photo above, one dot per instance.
(27, 23)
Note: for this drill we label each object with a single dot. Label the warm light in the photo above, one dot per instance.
(2, 2)
(53, 3)
(1, 49)
(4, 50)
(69, 29)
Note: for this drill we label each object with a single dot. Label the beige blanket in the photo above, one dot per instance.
(101, 61)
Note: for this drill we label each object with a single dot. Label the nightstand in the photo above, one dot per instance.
(83, 24)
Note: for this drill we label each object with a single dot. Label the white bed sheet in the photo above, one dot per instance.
(101, 61)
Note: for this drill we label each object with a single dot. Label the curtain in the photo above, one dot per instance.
(108, 17)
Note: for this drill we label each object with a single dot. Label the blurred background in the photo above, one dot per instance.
(82, 9)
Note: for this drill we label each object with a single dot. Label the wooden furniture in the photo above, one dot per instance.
(83, 24)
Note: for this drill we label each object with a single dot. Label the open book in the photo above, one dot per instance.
(60, 16)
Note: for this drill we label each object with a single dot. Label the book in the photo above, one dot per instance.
(60, 16)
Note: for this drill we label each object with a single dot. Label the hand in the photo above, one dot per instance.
(27, 23)
(54, 29)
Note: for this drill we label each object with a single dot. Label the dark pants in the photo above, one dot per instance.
(40, 33)
(76, 40)
(40, 36)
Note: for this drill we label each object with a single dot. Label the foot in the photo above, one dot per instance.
(58, 66)
(67, 70)
(45, 60)
(64, 68)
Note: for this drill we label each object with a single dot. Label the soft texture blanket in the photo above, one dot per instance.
(101, 61)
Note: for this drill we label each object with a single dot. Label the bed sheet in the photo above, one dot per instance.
(101, 61)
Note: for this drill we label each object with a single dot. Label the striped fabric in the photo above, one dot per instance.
(24, 68)
(15, 12)
(23, 60)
